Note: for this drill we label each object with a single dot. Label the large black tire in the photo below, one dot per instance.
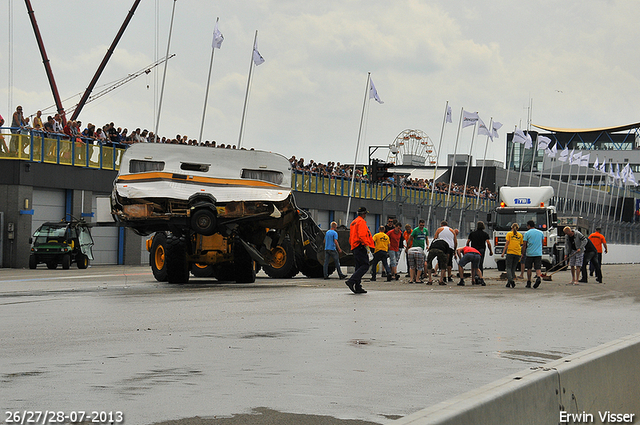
(224, 272)
(33, 261)
(157, 257)
(502, 265)
(66, 261)
(244, 270)
(313, 269)
(283, 264)
(202, 270)
(203, 221)
(176, 260)
(82, 261)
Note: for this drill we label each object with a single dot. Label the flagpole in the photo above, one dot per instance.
(435, 170)
(570, 160)
(355, 157)
(164, 75)
(484, 160)
(593, 177)
(466, 176)
(206, 92)
(599, 190)
(524, 148)
(534, 153)
(246, 94)
(584, 185)
(509, 157)
(453, 165)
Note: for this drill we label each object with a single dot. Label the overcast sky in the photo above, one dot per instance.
(574, 61)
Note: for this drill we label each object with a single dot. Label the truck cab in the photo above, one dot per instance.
(519, 205)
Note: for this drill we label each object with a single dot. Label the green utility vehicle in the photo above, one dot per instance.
(63, 242)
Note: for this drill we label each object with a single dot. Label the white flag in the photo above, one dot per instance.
(611, 173)
(469, 118)
(632, 178)
(482, 128)
(257, 57)
(617, 172)
(575, 158)
(603, 166)
(529, 143)
(624, 174)
(596, 164)
(373, 93)
(543, 142)
(218, 38)
(519, 137)
(551, 153)
(564, 155)
(584, 160)
(449, 118)
(494, 130)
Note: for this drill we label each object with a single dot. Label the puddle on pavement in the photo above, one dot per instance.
(265, 416)
(531, 356)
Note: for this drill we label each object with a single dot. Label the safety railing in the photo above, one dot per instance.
(38, 146)
(341, 186)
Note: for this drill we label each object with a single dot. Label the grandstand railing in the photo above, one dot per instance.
(38, 146)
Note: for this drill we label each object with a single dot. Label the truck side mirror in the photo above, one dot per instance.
(30, 241)
(489, 218)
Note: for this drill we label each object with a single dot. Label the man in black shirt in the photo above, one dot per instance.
(590, 255)
(480, 240)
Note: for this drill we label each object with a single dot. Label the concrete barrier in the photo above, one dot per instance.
(599, 386)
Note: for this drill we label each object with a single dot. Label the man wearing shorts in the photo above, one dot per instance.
(532, 247)
(447, 233)
(439, 249)
(418, 242)
(574, 245)
(466, 255)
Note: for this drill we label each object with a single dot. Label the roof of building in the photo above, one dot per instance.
(589, 130)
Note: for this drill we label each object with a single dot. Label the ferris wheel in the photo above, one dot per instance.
(412, 147)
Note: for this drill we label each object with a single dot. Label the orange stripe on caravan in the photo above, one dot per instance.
(198, 179)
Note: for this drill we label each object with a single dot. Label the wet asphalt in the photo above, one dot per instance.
(303, 351)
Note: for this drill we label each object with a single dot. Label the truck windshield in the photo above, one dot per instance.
(504, 219)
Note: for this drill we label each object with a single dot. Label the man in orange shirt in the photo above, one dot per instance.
(598, 241)
(359, 238)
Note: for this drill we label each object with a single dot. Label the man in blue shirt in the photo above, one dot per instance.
(532, 246)
(331, 250)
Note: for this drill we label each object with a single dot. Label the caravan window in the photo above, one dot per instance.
(265, 175)
(187, 166)
(139, 166)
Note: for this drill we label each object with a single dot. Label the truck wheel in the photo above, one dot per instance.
(244, 270)
(157, 257)
(33, 261)
(502, 265)
(66, 261)
(202, 270)
(283, 262)
(203, 221)
(224, 272)
(313, 269)
(176, 260)
(82, 261)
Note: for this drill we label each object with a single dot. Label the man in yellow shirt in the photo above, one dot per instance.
(381, 241)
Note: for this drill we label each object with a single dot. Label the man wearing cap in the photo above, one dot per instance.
(359, 238)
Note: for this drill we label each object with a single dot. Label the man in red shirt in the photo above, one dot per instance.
(598, 241)
(359, 238)
(395, 248)
(467, 254)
